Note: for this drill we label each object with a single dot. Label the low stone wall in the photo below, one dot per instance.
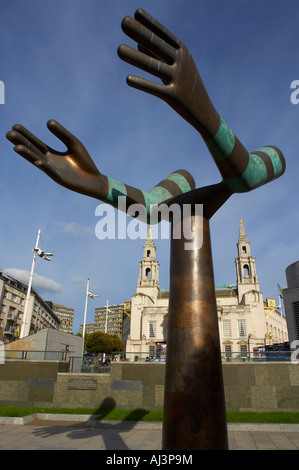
(261, 386)
(29, 383)
(248, 387)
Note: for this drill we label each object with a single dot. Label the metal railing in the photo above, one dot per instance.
(102, 364)
(36, 355)
(261, 356)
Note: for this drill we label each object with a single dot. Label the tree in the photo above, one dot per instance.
(118, 345)
(99, 342)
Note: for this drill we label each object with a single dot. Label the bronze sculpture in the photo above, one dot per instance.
(194, 407)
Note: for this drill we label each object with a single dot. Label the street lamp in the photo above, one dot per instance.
(92, 296)
(106, 323)
(42, 254)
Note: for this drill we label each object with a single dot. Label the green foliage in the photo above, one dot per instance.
(99, 342)
(118, 345)
(152, 415)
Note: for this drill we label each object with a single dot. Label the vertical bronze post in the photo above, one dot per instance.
(194, 404)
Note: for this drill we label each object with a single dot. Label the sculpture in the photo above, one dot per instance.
(194, 409)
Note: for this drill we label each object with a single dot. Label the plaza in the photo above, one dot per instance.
(70, 434)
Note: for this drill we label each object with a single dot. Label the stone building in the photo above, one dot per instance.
(65, 315)
(12, 302)
(291, 301)
(246, 321)
(109, 319)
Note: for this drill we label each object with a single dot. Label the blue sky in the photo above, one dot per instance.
(59, 60)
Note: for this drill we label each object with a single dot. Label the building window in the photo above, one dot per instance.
(242, 328)
(152, 351)
(296, 317)
(228, 351)
(246, 270)
(226, 328)
(152, 329)
(148, 273)
(243, 350)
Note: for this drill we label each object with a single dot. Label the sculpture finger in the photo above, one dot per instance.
(29, 155)
(152, 24)
(142, 35)
(147, 86)
(165, 80)
(145, 62)
(31, 137)
(148, 52)
(19, 139)
(37, 161)
(62, 134)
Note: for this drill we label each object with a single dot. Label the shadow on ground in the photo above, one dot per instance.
(110, 433)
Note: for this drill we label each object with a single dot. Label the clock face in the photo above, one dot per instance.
(271, 303)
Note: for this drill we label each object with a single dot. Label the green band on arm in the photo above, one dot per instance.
(256, 173)
(222, 144)
(156, 196)
(116, 189)
(180, 180)
(275, 159)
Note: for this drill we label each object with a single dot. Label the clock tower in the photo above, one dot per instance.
(148, 281)
(247, 281)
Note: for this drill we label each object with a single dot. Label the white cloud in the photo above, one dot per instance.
(78, 280)
(40, 283)
(73, 228)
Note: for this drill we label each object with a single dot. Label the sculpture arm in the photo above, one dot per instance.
(240, 170)
(75, 170)
(161, 54)
(176, 183)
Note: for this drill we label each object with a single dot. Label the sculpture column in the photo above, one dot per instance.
(194, 403)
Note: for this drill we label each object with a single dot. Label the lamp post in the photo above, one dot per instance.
(47, 256)
(280, 308)
(92, 296)
(106, 324)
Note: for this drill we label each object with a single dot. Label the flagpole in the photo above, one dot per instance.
(85, 311)
(106, 324)
(24, 323)
(25, 328)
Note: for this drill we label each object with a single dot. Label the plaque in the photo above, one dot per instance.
(42, 382)
(126, 385)
(82, 384)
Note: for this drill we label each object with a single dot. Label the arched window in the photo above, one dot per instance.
(246, 270)
(148, 273)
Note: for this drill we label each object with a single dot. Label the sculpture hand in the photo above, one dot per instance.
(73, 169)
(163, 55)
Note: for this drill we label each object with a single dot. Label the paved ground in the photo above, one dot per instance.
(110, 435)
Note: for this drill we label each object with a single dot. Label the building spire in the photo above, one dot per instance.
(245, 265)
(149, 233)
(148, 280)
(242, 234)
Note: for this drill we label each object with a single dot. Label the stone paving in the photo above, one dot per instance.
(42, 434)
